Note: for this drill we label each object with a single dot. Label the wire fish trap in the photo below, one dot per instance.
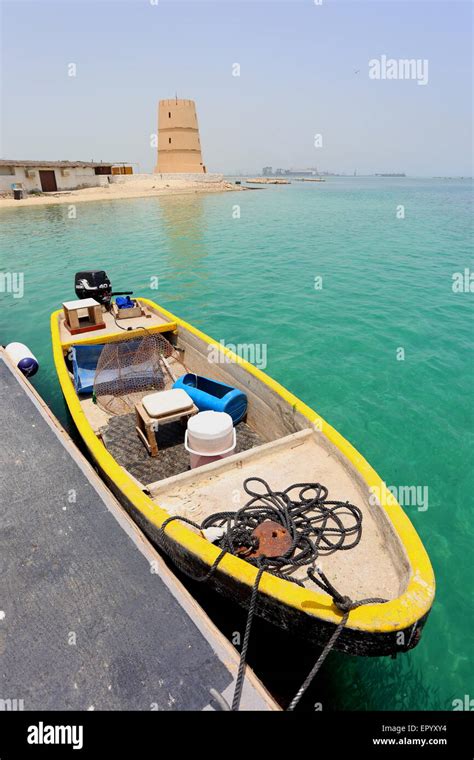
(129, 369)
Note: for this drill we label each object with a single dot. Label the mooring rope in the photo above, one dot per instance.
(346, 606)
(245, 644)
(315, 528)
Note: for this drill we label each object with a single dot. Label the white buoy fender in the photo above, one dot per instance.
(22, 357)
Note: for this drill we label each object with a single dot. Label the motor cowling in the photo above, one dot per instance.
(93, 284)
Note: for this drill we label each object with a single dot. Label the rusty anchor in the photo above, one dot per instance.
(273, 541)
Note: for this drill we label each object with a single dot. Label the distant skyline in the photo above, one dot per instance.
(319, 85)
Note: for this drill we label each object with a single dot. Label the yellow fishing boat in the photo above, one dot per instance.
(353, 560)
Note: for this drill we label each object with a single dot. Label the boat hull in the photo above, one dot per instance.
(372, 630)
(293, 621)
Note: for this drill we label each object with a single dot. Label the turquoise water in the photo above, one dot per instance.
(386, 285)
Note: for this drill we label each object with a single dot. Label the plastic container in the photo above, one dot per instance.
(210, 394)
(210, 436)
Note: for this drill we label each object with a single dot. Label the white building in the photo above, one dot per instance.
(51, 176)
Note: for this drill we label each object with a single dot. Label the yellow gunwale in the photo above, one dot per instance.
(395, 615)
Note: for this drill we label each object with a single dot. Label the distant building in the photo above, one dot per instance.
(299, 173)
(267, 171)
(50, 176)
(295, 173)
(179, 146)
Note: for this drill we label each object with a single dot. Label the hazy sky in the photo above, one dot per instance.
(304, 70)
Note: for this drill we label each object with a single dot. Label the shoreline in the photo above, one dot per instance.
(150, 188)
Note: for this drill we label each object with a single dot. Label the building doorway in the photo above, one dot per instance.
(48, 181)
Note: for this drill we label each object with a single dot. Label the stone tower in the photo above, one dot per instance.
(179, 146)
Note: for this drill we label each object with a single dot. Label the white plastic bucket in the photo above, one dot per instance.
(210, 436)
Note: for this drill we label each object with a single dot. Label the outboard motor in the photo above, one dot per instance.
(95, 284)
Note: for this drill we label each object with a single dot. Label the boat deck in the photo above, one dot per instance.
(376, 567)
(90, 616)
(122, 441)
(152, 320)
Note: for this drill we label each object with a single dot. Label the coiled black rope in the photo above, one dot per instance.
(316, 526)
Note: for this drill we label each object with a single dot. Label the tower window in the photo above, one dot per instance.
(169, 114)
(169, 140)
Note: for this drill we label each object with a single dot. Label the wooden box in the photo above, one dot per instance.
(77, 321)
(135, 311)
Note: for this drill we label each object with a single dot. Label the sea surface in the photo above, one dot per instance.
(346, 289)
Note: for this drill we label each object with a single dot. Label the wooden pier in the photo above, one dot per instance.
(91, 618)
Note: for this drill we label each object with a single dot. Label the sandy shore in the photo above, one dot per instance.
(138, 187)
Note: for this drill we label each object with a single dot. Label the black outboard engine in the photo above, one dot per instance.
(96, 284)
(93, 284)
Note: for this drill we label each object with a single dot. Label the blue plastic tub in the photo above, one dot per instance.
(209, 394)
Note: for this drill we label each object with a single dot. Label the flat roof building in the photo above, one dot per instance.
(51, 176)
